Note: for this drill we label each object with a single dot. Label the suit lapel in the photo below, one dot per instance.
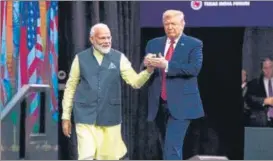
(179, 46)
(262, 85)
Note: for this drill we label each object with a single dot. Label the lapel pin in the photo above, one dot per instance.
(182, 44)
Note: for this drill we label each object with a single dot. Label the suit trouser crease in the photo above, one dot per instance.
(171, 133)
(174, 140)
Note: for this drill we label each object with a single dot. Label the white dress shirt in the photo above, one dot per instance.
(266, 85)
(167, 46)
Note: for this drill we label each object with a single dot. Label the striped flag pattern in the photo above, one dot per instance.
(29, 52)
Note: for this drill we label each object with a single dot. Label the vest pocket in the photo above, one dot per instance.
(115, 101)
(84, 104)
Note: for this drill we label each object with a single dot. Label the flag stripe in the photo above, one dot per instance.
(3, 63)
(23, 56)
(29, 36)
(9, 38)
(2, 17)
(16, 40)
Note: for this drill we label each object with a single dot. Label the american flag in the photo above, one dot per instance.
(32, 51)
(29, 31)
(30, 44)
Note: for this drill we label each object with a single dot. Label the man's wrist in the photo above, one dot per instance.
(149, 70)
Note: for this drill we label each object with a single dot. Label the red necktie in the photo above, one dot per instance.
(167, 57)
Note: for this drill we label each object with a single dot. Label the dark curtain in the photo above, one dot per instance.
(76, 19)
(258, 44)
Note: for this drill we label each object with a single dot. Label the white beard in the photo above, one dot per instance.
(102, 49)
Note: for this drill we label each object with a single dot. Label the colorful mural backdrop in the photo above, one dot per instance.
(29, 52)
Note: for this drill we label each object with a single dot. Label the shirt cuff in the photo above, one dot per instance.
(167, 65)
(66, 117)
(146, 73)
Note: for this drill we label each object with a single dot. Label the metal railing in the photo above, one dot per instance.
(21, 95)
(30, 145)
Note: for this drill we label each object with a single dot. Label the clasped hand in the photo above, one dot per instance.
(151, 61)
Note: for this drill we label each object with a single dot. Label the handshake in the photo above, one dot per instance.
(151, 62)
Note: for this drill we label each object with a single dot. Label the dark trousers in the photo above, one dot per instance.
(259, 119)
(171, 133)
(161, 123)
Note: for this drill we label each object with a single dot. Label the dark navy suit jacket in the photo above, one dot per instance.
(183, 96)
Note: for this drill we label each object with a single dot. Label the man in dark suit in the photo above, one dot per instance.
(174, 98)
(259, 96)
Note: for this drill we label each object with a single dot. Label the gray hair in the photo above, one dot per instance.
(94, 27)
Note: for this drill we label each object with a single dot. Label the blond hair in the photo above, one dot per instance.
(172, 13)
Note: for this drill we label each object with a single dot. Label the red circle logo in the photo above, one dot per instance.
(196, 5)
